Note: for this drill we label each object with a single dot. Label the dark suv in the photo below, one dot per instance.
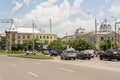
(54, 53)
(83, 55)
(110, 54)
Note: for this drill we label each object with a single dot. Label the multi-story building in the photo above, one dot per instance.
(17, 35)
(105, 32)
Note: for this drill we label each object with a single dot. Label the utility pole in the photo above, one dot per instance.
(50, 26)
(115, 34)
(95, 33)
(33, 36)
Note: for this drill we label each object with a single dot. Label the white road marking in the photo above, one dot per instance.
(13, 65)
(65, 69)
(33, 74)
(36, 62)
(99, 66)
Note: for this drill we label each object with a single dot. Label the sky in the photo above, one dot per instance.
(66, 15)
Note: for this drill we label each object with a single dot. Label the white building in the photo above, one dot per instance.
(17, 35)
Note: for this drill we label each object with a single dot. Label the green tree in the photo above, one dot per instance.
(28, 44)
(3, 43)
(79, 44)
(15, 47)
(56, 44)
(105, 44)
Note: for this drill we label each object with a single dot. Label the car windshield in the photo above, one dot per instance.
(70, 51)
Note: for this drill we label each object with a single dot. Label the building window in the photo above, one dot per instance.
(50, 37)
(18, 37)
(23, 37)
(37, 36)
(47, 37)
(44, 37)
(18, 41)
(112, 39)
(13, 36)
(102, 38)
(40, 37)
(28, 36)
(23, 41)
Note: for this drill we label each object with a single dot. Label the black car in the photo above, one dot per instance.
(54, 53)
(83, 55)
(109, 55)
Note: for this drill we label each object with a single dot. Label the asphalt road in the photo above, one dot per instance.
(12, 68)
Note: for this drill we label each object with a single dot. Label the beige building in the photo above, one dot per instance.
(17, 35)
(95, 37)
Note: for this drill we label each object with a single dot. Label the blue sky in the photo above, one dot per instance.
(66, 15)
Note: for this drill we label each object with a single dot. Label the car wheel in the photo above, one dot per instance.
(74, 58)
(89, 58)
(118, 59)
(61, 58)
(101, 58)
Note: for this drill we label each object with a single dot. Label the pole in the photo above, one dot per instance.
(115, 35)
(95, 33)
(50, 26)
(33, 37)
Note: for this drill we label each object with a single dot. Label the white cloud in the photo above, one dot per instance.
(76, 6)
(107, 1)
(115, 9)
(60, 17)
(101, 13)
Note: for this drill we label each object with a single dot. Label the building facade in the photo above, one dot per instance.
(94, 38)
(17, 35)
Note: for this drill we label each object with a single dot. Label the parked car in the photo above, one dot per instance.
(90, 52)
(45, 52)
(110, 54)
(83, 55)
(30, 52)
(54, 53)
(68, 54)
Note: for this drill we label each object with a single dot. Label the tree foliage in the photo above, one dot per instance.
(56, 44)
(105, 44)
(3, 43)
(79, 44)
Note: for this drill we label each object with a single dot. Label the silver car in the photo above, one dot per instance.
(68, 55)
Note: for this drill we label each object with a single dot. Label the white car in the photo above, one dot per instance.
(90, 52)
(30, 52)
(68, 54)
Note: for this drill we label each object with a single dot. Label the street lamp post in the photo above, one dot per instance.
(95, 20)
(115, 34)
(116, 47)
(33, 37)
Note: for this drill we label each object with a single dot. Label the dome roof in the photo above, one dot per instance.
(105, 26)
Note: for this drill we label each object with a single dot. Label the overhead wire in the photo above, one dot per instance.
(19, 9)
(10, 10)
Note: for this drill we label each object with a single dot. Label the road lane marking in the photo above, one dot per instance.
(36, 62)
(33, 74)
(13, 65)
(65, 69)
(92, 66)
